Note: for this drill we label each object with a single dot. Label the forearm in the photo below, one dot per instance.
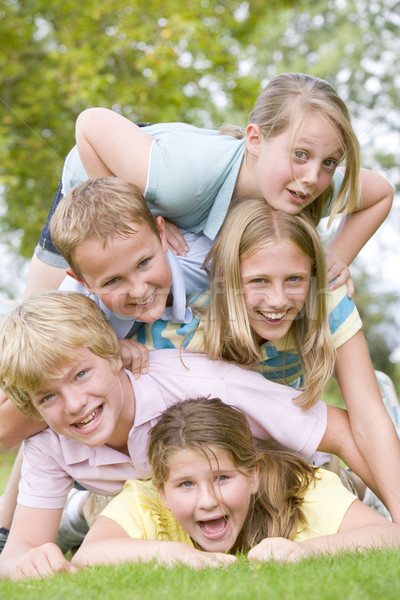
(355, 540)
(356, 229)
(339, 440)
(379, 445)
(115, 551)
(118, 550)
(14, 425)
(373, 431)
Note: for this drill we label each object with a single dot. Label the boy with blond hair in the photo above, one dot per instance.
(118, 253)
(60, 360)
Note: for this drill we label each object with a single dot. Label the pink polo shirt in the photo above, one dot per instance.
(52, 462)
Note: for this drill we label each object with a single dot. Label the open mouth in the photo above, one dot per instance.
(90, 421)
(274, 318)
(299, 196)
(145, 302)
(214, 529)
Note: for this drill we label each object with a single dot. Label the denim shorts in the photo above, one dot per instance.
(45, 250)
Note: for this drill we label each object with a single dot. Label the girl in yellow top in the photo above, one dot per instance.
(215, 491)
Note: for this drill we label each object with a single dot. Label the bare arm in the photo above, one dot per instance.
(30, 550)
(373, 430)
(108, 543)
(110, 144)
(356, 228)
(14, 425)
(339, 440)
(361, 528)
(42, 277)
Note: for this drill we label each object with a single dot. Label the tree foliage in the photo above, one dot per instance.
(150, 60)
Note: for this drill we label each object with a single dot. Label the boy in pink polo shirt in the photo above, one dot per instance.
(60, 360)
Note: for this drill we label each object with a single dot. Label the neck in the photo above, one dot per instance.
(244, 185)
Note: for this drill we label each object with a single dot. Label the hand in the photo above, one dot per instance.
(173, 553)
(278, 549)
(338, 273)
(135, 357)
(175, 239)
(41, 561)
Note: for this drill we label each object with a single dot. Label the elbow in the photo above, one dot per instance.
(89, 118)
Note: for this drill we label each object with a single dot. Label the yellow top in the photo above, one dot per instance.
(139, 510)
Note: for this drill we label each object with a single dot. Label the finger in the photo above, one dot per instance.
(340, 279)
(350, 288)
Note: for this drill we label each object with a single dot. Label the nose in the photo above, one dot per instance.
(310, 173)
(74, 401)
(207, 497)
(137, 288)
(276, 296)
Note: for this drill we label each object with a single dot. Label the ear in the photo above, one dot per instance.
(72, 274)
(160, 223)
(254, 139)
(163, 498)
(255, 480)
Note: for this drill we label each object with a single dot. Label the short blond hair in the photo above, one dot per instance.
(42, 334)
(98, 209)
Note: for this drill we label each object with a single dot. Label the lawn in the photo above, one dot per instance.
(375, 575)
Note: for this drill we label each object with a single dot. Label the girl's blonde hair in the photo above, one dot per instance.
(207, 425)
(250, 225)
(42, 335)
(284, 104)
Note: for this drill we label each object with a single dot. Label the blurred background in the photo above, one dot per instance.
(203, 62)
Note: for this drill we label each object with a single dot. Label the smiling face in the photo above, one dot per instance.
(275, 283)
(209, 502)
(130, 274)
(290, 174)
(89, 401)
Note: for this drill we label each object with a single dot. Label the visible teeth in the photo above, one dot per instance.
(145, 301)
(298, 195)
(273, 316)
(88, 419)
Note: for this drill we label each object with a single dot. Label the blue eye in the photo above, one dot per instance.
(144, 262)
(111, 281)
(46, 398)
(186, 484)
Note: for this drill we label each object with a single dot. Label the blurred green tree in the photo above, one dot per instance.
(150, 60)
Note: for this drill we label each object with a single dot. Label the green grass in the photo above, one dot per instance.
(6, 462)
(374, 575)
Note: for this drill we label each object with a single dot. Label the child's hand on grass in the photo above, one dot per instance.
(176, 553)
(135, 357)
(278, 549)
(41, 561)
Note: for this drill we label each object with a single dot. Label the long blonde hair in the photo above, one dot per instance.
(284, 103)
(249, 225)
(205, 425)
